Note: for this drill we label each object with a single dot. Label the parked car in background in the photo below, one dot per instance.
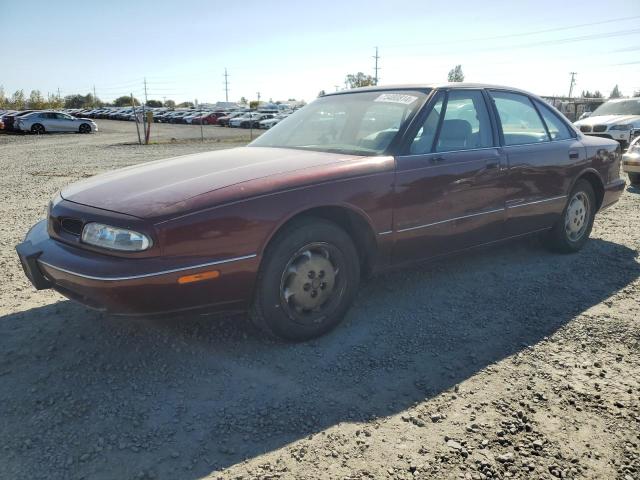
(631, 161)
(50, 121)
(208, 118)
(249, 119)
(617, 119)
(270, 122)
(224, 120)
(189, 118)
(9, 119)
(356, 182)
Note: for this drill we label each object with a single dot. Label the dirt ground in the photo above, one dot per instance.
(509, 363)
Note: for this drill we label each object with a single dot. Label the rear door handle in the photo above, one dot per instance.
(573, 154)
(438, 159)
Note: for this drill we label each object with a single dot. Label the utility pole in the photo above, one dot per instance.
(144, 114)
(376, 57)
(58, 93)
(573, 82)
(95, 99)
(226, 85)
(164, 101)
(258, 94)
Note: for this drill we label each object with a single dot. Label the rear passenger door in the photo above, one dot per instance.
(449, 184)
(540, 150)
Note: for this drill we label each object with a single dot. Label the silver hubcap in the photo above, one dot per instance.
(309, 283)
(577, 216)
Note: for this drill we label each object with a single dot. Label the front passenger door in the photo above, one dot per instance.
(449, 186)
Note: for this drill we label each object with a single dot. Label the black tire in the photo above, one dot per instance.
(84, 128)
(634, 178)
(38, 129)
(297, 296)
(572, 230)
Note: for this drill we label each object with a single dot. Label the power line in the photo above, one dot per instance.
(520, 34)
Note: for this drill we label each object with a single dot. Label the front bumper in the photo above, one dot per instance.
(134, 286)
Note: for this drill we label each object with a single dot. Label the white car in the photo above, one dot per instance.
(617, 119)
(253, 117)
(43, 122)
(631, 162)
(270, 122)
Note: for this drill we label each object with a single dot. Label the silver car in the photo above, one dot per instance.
(43, 122)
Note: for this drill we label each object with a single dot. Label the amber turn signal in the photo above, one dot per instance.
(197, 277)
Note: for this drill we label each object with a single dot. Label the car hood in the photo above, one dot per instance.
(610, 120)
(174, 186)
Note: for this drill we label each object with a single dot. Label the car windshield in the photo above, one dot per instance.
(623, 107)
(362, 123)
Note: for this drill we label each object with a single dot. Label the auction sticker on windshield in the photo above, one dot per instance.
(396, 98)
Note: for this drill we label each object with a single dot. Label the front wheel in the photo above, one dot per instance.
(85, 128)
(307, 281)
(38, 129)
(572, 230)
(634, 178)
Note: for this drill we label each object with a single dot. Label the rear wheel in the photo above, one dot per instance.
(572, 230)
(307, 281)
(85, 128)
(634, 178)
(37, 128)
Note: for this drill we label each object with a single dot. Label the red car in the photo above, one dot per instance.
(356, 182)
(209, 118)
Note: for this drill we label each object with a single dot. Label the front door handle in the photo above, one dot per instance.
(574, 155)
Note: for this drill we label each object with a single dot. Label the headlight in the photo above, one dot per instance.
(114, 238)
(621, 127)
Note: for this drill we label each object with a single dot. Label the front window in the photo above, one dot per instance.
(363, 123)
(619, 107)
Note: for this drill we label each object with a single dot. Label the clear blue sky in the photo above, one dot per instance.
(289, 49)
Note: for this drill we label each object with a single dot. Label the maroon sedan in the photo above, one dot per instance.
(356, 182)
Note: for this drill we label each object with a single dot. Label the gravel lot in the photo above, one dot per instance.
(511, 363)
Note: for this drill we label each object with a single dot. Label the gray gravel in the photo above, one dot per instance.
(509, 363)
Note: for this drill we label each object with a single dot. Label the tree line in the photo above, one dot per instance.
(37, 101)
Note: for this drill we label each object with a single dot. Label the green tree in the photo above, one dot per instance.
(186, 105)
(321, 93)
(4, 101)
(170, 104)
(125, 101)
(615, 93)
(17, 101)
(253, 104)
(36, 100)
(597, 94)
(243, 101)
(54, 101)
(154, 103)
(455, 74)
(359, 80)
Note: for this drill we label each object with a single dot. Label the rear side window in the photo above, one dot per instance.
(557, 128)
(520, 121)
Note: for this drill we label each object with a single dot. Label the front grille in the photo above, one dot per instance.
(585, 128)
(71, 225)
(599, 128)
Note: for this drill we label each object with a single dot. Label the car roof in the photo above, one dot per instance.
(429, 86)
